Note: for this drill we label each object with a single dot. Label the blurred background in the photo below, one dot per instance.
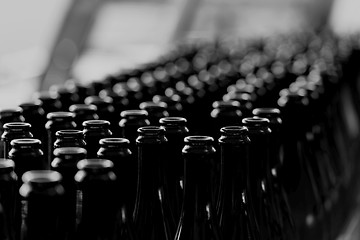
(43, 42)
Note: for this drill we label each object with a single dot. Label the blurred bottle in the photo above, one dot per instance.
(94, 130)
(50, 101)
(14, 130)
(83, 112)
(69, 138)
(43, 194)
(8, 197)
(153, 216)
(237, 219)
(96, 206)
(155, 111)
(56, 121)
(198, 218)
(65, 162)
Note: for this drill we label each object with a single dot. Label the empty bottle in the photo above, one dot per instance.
(69, 138)
(94, 130)
(14, 130)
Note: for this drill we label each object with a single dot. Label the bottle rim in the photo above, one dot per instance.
(75, 108)
(94, 164)
(69, 133)
(41, 176)
(95, 123)
(173, 121)
(152, 105)
(234, 130)
(152, 130)
(255, 121)
(133, 113)
(10, 112)
(25, 142)
(226, 104)
(59, 115)
(69, 151)
(17, 126)
(6, 163)
(198, 139)
(114, 141)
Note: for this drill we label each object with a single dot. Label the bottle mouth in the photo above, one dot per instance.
(153, 105)
(151, 130)
(255, 121)
(134, 113)
(70, 151)
(226, 104)
(59, 115)
(5, 113)
(94, 164)
(6, 164)
(114, 141)
(13, 126)
(69, 133)
(25, 142)
(41, 176)
(198, 140)
(75, 108)
(234, 130)
(95, 123)
(263, 112)
(173, 121)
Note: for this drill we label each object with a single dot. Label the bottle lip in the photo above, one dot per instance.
(96, 123)
(151, 130)
(6, 163)
(255, 122)
(75, 108)
(266, 112)
(69, 133)
(226, 104)
(94, 164)
(198, 140)
(96, 100)
(169, 121)
(152, 105)
(41, 176)
(25, 142)
(114, 141)
(59, 115)
(31, 105)
(234, 130)
(10, 112)
(134, 113)
(16, 126)
(69, 151)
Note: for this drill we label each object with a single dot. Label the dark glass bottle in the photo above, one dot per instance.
(105, 110)
(153, 218)
(69, 138)
(14, 130)
(155, 111)
(27, 155)
(175, 131)
(6, 116)
(83, 112)
(174, 106)
(34, 114)
(56, 121)
(50, 101)
(67, 96)
(42, 193)
(198, 218)
(8, 196)
(65, 162)
(260, 182)
(96, 205)
(117, 150)
(94, 130)
(129, 124)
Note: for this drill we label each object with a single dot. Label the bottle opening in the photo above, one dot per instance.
(68, 133)
(133, 113)
(94, 164)
(96, 123)
(255, 121)
(198, 139)
(114, 141)
(82, 107)
(41, 176)
(234, 130)
(173, 121)
(17, 126)
(266, 112)
(25, 142)
(151, 130)
(59, 115)
(69, 151)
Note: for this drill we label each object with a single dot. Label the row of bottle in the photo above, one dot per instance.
(214, 86)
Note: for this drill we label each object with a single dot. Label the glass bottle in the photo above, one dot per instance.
(117, 150)
(34, 114)
(83, 112)
(42, 193)
(94, 130)
(96, 205)
(50, 101)
(260, 183)
(235, 210)
(56, 121)
(175, 131)
(14, 130)
(6, 116)
(155, 110)
(69, 138)
(8, 196)
(153, 218)
(65, 162)
(198, 218)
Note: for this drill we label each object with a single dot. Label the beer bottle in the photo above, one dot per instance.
(14, 130)
(94, 130)
(69, 138)
(83, 112)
